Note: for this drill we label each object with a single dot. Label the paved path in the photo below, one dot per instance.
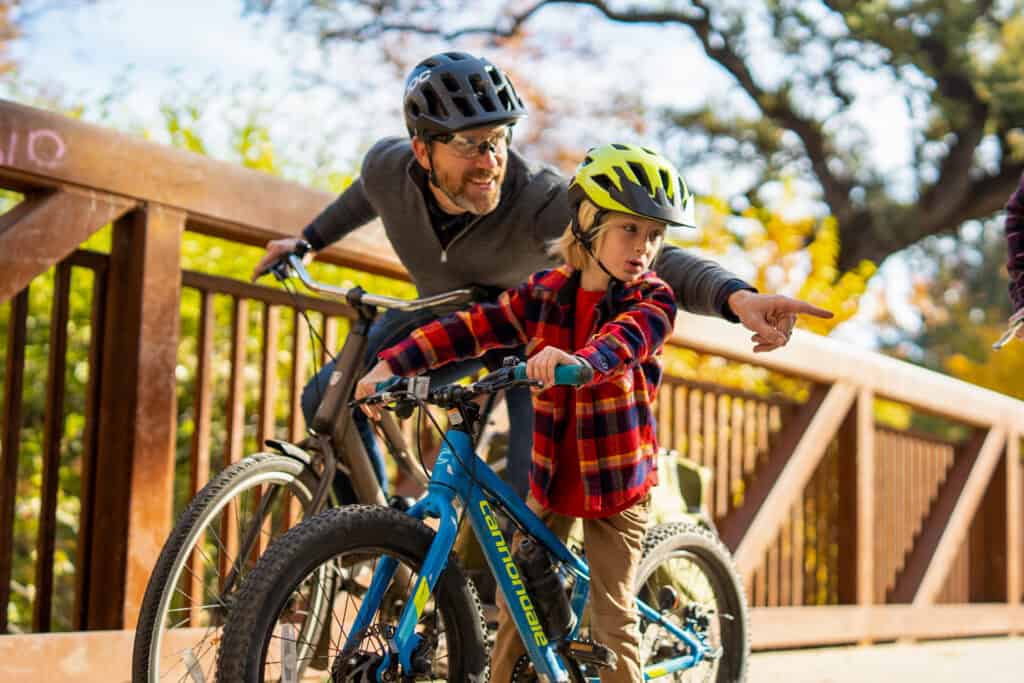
(981, 660)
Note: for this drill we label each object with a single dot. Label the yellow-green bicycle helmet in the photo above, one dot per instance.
(633, 180)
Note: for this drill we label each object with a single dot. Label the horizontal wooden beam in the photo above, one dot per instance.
(825, 360)
(784, 627)
(43, 229)
(217, 284)
(95, 656)
(44, 151)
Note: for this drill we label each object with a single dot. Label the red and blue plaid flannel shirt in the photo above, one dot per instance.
(615, 425)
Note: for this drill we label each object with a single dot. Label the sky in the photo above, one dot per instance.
(148, 52)
(126, 58)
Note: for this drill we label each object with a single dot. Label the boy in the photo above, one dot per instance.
(595, 448)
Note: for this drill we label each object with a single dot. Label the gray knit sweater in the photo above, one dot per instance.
(499, 249)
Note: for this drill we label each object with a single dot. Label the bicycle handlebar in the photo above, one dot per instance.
(399, 389)
(567, 375)
(292, 263)
(357, 295)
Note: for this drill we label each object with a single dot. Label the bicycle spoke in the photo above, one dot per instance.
(186, 609)
(194, 670)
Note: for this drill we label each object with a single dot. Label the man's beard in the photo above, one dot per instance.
(476, 204)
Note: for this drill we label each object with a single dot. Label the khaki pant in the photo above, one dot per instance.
(614, 546)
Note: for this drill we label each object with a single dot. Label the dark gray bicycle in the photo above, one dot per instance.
(223, 531)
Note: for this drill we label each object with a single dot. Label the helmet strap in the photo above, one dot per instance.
(587, 242)
(434, 180)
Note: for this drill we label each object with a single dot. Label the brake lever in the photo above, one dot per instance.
(280, 270)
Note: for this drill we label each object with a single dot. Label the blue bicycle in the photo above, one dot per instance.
(401, 608)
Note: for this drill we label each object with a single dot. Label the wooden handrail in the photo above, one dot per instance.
(788, 476)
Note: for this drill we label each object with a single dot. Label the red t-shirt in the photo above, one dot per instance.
(566, 492)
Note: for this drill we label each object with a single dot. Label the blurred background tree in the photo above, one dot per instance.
(960, 289)
(798, 100)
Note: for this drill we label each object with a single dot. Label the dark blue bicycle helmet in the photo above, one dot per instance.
(453, 91)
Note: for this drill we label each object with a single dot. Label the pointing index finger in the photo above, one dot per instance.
(803, 308)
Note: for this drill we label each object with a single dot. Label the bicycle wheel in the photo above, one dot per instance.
(686, 571)
(199, 568)
(261, 643)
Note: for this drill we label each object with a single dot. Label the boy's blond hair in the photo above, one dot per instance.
(568, 248)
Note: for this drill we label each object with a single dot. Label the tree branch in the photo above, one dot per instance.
(874, 240)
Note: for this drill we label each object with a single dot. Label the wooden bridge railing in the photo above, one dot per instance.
(844, 531)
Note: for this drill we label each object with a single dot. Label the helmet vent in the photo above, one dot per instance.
(450, 83)
(455, 56)
(477, 83)
(434, 104)
(506, 101)
(605, 182)
(495, 76)
(624, 148)
(465, 108)
(665, 182)
(479, 87)
(650, 151)
(641, 176)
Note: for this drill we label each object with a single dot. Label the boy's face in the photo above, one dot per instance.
(470, 180)
(629, 244)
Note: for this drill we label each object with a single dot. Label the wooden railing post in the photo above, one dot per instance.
(866, 458)
(131, 511)
(857, 503)
(10, 448)
(986, 541)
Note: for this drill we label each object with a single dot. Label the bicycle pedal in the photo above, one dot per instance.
(590, 652)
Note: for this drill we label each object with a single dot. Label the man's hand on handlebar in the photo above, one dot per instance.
(368, 385)
(277, 250)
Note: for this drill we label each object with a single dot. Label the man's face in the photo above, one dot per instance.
(470, 179)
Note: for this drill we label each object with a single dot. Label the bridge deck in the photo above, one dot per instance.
(993, 660)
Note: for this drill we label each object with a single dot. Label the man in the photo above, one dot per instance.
(461, 208)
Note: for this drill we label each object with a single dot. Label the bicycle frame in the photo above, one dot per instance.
(333, 417)
(339, 446)
(459, 473)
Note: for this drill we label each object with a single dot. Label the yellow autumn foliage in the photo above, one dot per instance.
(794, 256)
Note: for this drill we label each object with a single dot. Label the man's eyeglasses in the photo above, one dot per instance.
(467, 147)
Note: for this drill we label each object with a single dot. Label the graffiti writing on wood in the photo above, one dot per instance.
(40, 147)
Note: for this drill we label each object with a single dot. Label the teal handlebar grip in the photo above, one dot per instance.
(569, 375)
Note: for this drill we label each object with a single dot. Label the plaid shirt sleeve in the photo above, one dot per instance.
(465, 334)
(632, 336)
(1015, 243)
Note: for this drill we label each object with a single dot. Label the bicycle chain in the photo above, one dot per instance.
(519, 671)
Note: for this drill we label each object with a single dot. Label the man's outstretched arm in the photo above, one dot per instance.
(702, 286)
